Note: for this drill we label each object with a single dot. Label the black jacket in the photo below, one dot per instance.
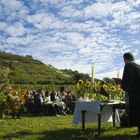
(131, 84)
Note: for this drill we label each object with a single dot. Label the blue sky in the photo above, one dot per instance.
(72, 34)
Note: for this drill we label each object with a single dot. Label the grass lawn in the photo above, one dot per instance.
(60, 128)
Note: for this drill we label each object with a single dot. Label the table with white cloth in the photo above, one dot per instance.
(97, 111)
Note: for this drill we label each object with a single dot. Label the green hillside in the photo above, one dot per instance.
(17, 69)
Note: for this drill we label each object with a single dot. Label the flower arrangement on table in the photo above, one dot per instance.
(99, 90)
(83, 89)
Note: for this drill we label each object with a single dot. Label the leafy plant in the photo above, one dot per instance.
(99, 90)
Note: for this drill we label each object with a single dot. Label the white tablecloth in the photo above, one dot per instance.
(92, 109)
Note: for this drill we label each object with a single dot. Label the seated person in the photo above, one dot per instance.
(70, 101)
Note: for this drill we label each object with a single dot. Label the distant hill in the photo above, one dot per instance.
(26, 70)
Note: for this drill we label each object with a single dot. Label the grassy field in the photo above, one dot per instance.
(60, 128)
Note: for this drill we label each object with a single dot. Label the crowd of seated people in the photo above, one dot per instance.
(40, 102)
(51, 103)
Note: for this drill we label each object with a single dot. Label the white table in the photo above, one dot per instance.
(97, 111)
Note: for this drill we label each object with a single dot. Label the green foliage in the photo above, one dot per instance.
(15, 69)
(76, 75)
(3, 103)
(108, 80)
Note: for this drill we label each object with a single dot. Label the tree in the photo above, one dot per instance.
(109, 80)
(4, 75)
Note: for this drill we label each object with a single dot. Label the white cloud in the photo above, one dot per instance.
(2, 25)
(67, 11)
(17, 29)
(15, 40)
(98, 9)
(72, 34)
(134, 28)
(11, 5)
(41, 20)
(112, 74)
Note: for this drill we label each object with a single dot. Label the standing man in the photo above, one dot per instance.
(131, 85)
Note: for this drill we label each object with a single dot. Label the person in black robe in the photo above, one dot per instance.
(131, 85)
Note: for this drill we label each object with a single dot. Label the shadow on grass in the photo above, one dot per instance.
(19, 134)
(68, 134)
